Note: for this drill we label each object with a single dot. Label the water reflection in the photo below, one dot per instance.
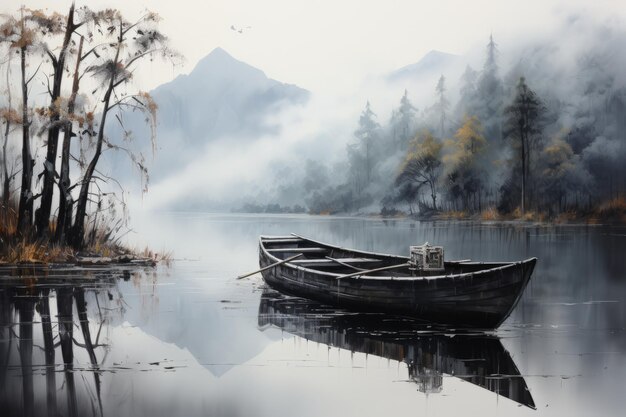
(185, 341)
(428, 353)
(52, 309)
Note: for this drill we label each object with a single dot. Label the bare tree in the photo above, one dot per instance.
(22, 37)
(53, 25)
(10, 117)
(114, 72)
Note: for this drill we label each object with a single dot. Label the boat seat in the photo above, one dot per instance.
(301, 250)
(286, 240)
(325, 262)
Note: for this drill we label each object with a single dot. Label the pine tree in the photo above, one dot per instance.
(523, 124)
(442, 103)
(403, 121)
(490, 93)
(367, 133)
(467, 99)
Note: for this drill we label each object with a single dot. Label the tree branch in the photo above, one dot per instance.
(35, 73)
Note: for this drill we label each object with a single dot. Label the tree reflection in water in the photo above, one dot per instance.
(28, 308)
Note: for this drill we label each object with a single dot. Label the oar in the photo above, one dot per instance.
(373, 270)
(270, 266)
(344, 264)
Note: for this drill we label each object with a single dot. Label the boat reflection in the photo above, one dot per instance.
(428, 353)
(53, 308)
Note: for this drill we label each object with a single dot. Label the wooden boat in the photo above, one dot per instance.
(465, 294)
(430, 355)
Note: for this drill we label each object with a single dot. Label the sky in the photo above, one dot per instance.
(332, 46)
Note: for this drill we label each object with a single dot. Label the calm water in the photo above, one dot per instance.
(191, 340)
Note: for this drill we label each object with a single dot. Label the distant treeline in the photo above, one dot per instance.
(269, 208)
(502, 147)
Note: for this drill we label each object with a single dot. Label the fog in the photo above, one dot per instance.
(565, 64)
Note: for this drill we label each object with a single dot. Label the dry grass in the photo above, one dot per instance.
(490, 214)
(567, 217)
(35, 252)
(453, 215)
(529, 215)
(164, 257)
(18, 250)
(613, 211)
(8, 221)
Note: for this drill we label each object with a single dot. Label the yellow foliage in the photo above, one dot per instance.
(467, 143)
(424, 144)
(469, 137)
(558, 157)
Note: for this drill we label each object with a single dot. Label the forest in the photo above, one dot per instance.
(505, 148)
(68, 76)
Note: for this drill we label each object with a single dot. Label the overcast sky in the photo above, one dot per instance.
(330, 45)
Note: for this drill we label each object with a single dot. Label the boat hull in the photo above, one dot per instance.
(481, 299)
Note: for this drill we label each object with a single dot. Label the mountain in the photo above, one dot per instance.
(221, 98)
(434, 62)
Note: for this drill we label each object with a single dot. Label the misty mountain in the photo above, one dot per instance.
(221, 98)
(433, 63)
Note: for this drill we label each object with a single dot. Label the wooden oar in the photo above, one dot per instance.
(344, 264)
(291, 258)
(373, 270)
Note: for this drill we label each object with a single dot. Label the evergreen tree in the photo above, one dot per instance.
(490, 93)
(523, 126)
(442, 104)
(467, 99)
(367, 133)
(403, 122)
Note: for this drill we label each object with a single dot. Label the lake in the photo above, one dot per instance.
(189, 339)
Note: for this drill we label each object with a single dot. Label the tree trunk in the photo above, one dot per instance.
(25, 210)
(66, 203)
(42, 216)
(433, 195)
(6, 184)
(78, 231)
(523, 140)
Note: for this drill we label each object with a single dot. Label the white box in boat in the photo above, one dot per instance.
(427, 258)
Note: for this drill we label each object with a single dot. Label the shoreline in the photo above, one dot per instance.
(84, 262)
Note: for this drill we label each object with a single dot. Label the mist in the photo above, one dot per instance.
(574, 67)
(265, 142)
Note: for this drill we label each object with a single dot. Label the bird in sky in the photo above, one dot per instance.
(240, 29)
